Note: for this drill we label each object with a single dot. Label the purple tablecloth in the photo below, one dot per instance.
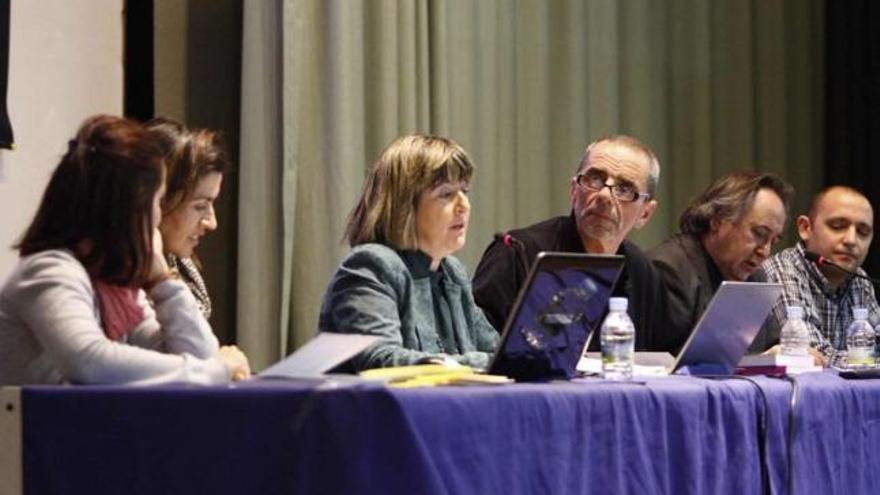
(837, 447)
(674, 435)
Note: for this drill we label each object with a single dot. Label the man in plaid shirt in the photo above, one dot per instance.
(839, 226)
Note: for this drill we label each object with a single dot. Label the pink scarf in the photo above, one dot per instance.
(120, 312)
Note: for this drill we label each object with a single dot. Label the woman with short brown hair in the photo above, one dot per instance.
(399, 281)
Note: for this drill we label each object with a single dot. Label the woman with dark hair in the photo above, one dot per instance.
(400, 281)
(75, 309)
(196, 161)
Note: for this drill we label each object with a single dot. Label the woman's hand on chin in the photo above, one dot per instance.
(159, 270)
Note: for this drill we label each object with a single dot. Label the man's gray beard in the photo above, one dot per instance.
(598, 233)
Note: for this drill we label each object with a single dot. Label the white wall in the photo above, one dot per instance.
(65, 63)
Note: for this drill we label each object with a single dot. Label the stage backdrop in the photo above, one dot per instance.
(712, 86)
(852, 99)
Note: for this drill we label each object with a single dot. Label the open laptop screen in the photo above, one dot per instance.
(561, 302)
(727, 328)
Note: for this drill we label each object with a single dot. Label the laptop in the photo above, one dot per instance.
(312, 362)
(727, 327)
(718, 342)
(563, 300)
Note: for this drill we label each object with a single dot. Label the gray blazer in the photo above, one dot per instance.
(374, 291)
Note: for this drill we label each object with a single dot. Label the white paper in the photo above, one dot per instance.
(320, 355)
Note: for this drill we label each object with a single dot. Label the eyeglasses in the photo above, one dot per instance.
(596, 180)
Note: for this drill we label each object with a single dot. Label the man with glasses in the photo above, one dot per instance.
(611, 194)
(726, 233)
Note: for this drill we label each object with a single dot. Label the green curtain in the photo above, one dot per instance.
(712, 86)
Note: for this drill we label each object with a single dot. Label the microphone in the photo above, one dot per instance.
(512, 242)
(820, 260)
(508, 240)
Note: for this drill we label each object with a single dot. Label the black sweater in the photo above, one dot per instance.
(501, 273)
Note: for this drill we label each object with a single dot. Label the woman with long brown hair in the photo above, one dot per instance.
(196, 161)
(92, 299)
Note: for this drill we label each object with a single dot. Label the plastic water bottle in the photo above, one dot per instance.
(860, 340)
(618, 337)
(795, 337)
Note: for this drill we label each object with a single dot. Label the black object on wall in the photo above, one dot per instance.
(852, 102)
(138, 86)
(6, 139)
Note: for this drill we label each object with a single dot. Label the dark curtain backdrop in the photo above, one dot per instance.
(6, 139)
(852, 97)
(138, 98)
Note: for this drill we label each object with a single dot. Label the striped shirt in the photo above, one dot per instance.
(827, 310)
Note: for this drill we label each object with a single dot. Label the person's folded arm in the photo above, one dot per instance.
(57, 304)
(176, 326)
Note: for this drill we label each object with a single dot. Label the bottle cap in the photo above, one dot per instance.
(618, 303)
(794, 312)
(860, 313)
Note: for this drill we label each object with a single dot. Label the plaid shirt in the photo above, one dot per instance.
(827, 311)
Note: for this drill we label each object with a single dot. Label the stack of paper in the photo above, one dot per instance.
(432, 375)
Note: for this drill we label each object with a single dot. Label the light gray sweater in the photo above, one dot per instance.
(50, 331)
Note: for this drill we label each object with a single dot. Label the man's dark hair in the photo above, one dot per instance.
(817, 198)
(729, 198)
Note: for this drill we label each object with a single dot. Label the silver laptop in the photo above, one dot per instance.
(727, 327)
